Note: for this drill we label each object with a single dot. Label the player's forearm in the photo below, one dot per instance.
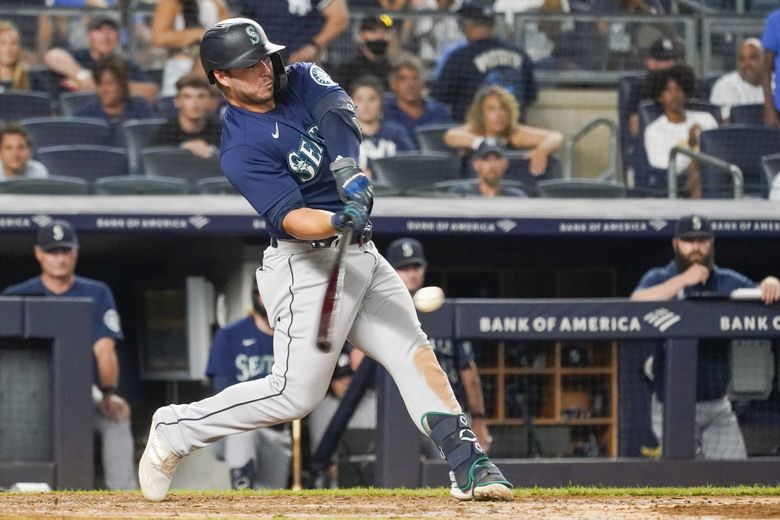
(460, 137)
(308, 224)
(107, 365)
(663, 291)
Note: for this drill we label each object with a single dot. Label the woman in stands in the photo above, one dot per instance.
(178, 25)
(380, 138)
(496, 113)
(672, 88)
(13, 70)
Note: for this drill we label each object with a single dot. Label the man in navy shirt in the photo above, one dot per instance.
(692, 272)
(290, 146)
(244, 351)
(57, 253)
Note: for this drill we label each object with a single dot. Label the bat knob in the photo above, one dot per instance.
(324, 346)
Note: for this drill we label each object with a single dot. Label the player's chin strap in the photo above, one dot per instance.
(457, 443)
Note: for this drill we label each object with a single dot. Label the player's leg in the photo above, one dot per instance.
(274, 453)
(116, 441)
(240, 459)
(388, 330)
(657, 418)
(721, 437)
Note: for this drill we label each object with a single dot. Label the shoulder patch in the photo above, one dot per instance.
(111, 320)
(320, 77)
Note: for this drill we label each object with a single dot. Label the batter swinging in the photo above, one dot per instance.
(290, 145)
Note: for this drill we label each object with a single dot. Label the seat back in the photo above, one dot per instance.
(19, 105)
(747, 115)
(771, 164)
(70, 102)
(141, 185)
(165, 107)
(56, 131)
(743, 146)
(580, 189)
(172, 161)
(413, 170)
(520, 170)
(650, 110)
(88, 162)
(138, 134)
(215, 186)
(430, 138)
(52, 185)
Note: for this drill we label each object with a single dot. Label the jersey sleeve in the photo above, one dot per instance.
(106, 321)
(313, 84)
(650, 279)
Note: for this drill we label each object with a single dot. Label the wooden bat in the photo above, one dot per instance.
(327, 319)
(297, 461)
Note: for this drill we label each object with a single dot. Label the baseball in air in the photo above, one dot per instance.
(428, 299)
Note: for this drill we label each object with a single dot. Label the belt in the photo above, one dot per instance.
(361, 238)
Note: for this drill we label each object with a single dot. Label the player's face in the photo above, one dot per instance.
(407, 85)
(59, 263)
(672, 97)
(368, 104)
(9, 48)
(103, 40)
(491, 168)
(412, 276)
(109, 90)
(193, 103)
(251, 87)
(14, 153)
(695, 250)
(496, 116)
(750, 63)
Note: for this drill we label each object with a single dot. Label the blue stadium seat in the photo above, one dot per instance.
(138, 134)
(743, 146)
(141, 185)
(88, 162)
(581, 189)
(56, 131)
(520, 170)
(172, 161)
(747, 115)
(430, 138)
(410, 170)
(165, 107)
(70, 102)
(52, 185)
(215, 186)
(649, 110)
(19, 105)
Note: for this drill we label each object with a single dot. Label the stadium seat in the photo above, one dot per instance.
(52, 185)
(172, 161)
(88, 162)
(409, 170)
(520, 170)
(771, 165)
(444, 189)
(430, 138)
(19, 105)
(138, 134)
(747, 115)
(69, 102)
(383, 190)
(649, 110)
(215, 186)
(580, 189)
(56, 131)
(743, 146)
(141, 185)
(165, 107)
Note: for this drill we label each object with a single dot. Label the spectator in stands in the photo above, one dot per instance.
(677, 126)
(13, 69)
(373, 40)
(114, 103)
(305, 28)
(490, 163)
(407, 105)
(428, 43)
(771, 79)
(15, 152)
(76, 66)
(484, 60)
(57, 251)
(744, 85)
(692, 272)
(456, 358)
(67, 30)
(178, 25)
(380, 138)
(194, 128)
(495, 113)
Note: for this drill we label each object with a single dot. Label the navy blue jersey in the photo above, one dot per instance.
(240, 352)
(278, 160)
(712, 366)
(454, 356)
(291, 23)
(105, 318)
(388, 141)
(435, 113)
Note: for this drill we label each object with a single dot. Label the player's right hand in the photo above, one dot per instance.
(353, 215)
(696, 274)
(352, 183)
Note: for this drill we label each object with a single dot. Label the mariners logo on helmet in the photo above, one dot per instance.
(252, 33)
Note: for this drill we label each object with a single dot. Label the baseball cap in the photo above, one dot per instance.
(406, 251)
(478, 9)
(57, 233)
(489, 146)
(100, 20)
(691, 226)
(370, 23)
(665, 49)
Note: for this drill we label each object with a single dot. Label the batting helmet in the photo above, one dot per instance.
(237, 43)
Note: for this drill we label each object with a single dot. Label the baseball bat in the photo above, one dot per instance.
(296, 455)
(327, 319)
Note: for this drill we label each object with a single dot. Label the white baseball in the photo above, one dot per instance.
(428, 299)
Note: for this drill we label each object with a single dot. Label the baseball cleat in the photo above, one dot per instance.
(485, 483)
(156, 468)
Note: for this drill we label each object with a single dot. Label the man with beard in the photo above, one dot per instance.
(694, 272)
(244, 351)
(490, 163)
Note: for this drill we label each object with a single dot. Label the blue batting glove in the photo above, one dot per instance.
(352, 183)
(353, 215)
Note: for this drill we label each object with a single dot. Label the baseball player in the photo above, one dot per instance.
(693, 271)
(244, 351)
(290, 145)
(57, 253)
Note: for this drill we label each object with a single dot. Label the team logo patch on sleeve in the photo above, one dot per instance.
(111, 320)
(320, 77)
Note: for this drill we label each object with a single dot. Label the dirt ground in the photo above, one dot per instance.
(190, 506)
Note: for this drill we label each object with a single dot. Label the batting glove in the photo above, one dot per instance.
(353, 215)
(352, 183)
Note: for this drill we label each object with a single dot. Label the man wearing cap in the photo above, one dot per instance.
(490, 162)
(693, 272)
(373, 40)
(76, 65)
(57, 252)
(456, 358)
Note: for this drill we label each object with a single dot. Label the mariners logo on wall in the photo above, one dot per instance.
(320, 77)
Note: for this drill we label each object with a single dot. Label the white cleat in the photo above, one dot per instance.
(156, 468)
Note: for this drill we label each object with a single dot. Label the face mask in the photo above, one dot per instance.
(377, 47)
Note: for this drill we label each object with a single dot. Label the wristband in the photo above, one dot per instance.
(108, 390)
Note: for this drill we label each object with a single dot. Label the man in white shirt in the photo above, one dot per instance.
(15, 154)
(742, 86)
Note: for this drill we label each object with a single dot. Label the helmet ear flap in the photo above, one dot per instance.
(280, 75)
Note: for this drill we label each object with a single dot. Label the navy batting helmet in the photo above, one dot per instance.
(237, 43)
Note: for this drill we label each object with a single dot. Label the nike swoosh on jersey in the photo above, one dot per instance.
(275, 134)
(248, 342)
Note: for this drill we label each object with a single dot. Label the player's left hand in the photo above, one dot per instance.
(352, 183)
(479, 426)
(770, 289)
(114, 408)
(353, 215)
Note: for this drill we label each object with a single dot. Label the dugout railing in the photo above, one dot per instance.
(679, 323)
